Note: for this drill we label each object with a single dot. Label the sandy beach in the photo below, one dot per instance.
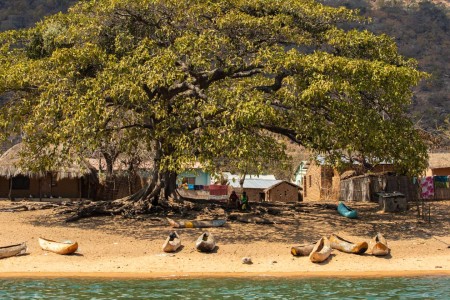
(131, 248)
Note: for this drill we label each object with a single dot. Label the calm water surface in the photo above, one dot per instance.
(320, 288)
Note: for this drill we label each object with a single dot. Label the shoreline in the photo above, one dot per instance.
(200, 275)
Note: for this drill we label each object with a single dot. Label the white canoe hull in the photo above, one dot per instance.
(58, 247)
(172, 244)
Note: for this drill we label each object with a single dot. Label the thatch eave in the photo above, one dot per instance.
(9, 167)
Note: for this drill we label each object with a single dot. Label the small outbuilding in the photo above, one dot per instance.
(438, 164)
(283, 191)
(268, 190)
(367, 187)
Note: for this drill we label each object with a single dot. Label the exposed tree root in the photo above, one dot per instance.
(29, 207)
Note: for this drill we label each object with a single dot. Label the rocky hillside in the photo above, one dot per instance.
(421, 29)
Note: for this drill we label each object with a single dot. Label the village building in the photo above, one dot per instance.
(194, 175)
(74, 181)
(266, 189)
(439, 170)
(321, 182)
(300, 173)
(438, 164)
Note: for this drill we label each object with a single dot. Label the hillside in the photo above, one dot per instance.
(421, 29)
(16, 14)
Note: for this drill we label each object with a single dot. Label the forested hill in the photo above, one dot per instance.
(421, 29)
(16, 14)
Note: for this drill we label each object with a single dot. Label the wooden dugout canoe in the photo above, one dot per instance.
(196, 224)
(346, 246)
(205, 242)
(378, 245)
(302, 250)
(172, 242)
(13, 250)
(346, 211)
(321, 251)
(58, 247)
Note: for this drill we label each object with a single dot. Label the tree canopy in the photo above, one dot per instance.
(202, 80)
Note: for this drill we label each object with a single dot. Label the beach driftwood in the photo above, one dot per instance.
(250, 219)
(196, 224)
(28, 207)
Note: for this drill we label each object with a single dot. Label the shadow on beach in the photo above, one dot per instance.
(292, 223)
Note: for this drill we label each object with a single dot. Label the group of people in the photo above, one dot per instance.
(235, 202)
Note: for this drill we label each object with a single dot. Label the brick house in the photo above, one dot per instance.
(322, 182)
(266, 189)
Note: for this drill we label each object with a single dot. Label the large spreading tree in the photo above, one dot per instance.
(207, 81)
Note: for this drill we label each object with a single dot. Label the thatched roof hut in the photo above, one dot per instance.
(438, 160)
(9, 167)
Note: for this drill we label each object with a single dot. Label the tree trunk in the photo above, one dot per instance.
(162, 185)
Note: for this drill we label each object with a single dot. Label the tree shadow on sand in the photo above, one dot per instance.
(290, 224)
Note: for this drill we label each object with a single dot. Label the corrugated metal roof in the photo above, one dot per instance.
(253, 183)
(235, 177)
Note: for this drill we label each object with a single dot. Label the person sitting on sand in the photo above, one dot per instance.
(244, 201)
(233, 200)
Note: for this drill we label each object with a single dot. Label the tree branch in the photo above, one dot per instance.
(278, 83)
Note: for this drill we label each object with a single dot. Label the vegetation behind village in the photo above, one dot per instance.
(420, 28)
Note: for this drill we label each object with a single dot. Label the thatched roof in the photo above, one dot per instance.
(9, 166)
(439, 160)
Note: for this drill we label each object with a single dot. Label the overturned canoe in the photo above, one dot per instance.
(13, 250)
(196, 224)
(346, 211)
(205, 242)
(66, 247)
(172, 242)
(321, 251)
(378, 245)
(302, 250)
(346, 246)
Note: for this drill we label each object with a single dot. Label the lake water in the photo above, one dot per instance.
(243, 288)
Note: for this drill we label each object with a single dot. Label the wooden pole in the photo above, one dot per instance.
(79, 187)
(51, 184)
(10, 188)
(89, 186)
(40, 189)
